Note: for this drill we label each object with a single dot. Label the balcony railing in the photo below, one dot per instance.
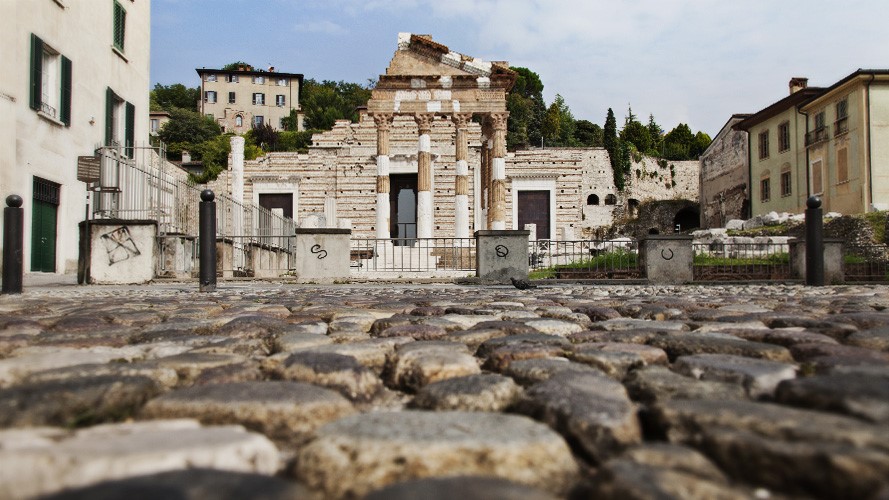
(841, 126)
(817, 136)
(48, 110)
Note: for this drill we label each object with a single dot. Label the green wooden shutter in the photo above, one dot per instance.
(130, 130)
(65, 104)
(36, 72)
(120, 26)
(109, 116)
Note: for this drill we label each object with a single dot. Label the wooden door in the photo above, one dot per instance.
(534, 209)
(44, 221)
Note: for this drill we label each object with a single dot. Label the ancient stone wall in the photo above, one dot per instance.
(724, 176)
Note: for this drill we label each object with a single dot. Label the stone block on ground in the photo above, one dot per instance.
(462, 487)
(616, 359)
(417, 364)
(694, 343)
(759, 377)
(284, 411)
(334, 371)
(855, 394)
(482, 392)
(358, 454)
(531, 371)
(657, 383)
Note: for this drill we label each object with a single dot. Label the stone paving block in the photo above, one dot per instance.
(75, 402)
(855, 394)
(416, 332)
(451, 322)
(619, 324)
(590, 409)
(27, 361)
(616, 359)
(297, 341)
(482, 392)
(877, 339)
(625, 479)
(165, 377)
(783, 337)
(657, 383)
(508, 327)
(823, 356)
(759, 377)
(372, 353)
(558, 327)
(419, 363)
(38, 461)
(531, 371)
(334, 371)
(190, 484)
(225, 374)
(683, 344)
(462, 487)
(284, 411)
(358, 454)
(190, 365)
(596, 313)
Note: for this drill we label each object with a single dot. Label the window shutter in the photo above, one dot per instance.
(65, 111)
(109, 116)
(130, 130)
(36, 71)
(120, 25)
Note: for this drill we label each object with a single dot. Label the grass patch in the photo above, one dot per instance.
(617, 260)
(702, 259)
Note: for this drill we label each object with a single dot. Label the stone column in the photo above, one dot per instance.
(383, 122)
(498, 172)
(485, 175)
(461, 186)
(424, 175)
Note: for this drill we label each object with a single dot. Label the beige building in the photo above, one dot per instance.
(242, 98)
(777, 151)
(847, 143)
(156, 120)
(76, 76)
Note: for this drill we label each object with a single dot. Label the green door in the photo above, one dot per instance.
(43, 226)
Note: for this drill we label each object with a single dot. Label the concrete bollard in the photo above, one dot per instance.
(13, 244)
(814, 242)
(667, 259)
(207, 241)
(322, 254)
(500, 255)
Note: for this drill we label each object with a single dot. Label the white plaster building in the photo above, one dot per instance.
(76, 75)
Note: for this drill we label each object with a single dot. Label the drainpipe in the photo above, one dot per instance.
(749, 176)
(807, 150)
(870, 183)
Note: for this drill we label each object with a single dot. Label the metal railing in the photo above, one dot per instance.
(432, 256)
(818, 135)
(585, 259)
(731, 261)
(866, 263)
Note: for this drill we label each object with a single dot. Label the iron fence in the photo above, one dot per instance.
(584, 259)
(432, 256)
(866, 262)
(731, 261)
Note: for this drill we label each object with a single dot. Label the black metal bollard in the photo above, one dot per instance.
(13, 244)
(207, 241)
(814, 242)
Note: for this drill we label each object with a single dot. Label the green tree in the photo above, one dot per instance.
(566, 123)
(609, 135)
(185, 130)
(678, 143)
(656, 134)
(588, 134)
(699, 145)
(527, 110)
(328, 101)
(552, 123)
(170, 97)
(235, 65)
(636, 134)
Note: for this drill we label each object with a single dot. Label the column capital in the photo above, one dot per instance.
(383, 120)
(498, 120)
(461, 120)
(424, 122)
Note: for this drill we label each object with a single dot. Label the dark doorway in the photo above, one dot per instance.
(43, 225)
(403, 208)
(534, 209)
(284, 201)
(687, 218)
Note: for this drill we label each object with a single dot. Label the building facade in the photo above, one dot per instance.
(847, 143)
(242, 98)
(77, 77)
(777, 151)
(724, 167)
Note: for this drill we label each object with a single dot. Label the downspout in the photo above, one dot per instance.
(808, 180)
(870, 183)
(749, 176)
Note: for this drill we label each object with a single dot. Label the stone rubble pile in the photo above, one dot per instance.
(441, 391)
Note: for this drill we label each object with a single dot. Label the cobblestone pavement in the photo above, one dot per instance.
(441, 391)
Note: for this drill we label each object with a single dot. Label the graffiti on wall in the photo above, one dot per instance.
(120, 245)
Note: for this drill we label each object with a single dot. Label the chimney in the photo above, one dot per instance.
(271, 69)
(186, 156)
(798, 83)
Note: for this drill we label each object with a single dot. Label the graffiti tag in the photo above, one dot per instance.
(119, 245)
(501, 251)
(664, 254)
(317, 250)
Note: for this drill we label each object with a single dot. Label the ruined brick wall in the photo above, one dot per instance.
(724, 177)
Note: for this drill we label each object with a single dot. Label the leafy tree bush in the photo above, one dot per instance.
(176, 96)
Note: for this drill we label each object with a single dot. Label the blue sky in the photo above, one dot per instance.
(691, 61)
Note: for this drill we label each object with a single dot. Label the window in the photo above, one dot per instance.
(259, 99)
(210, 96)
(282, 82)
(819, 134)
(816, 176)
(764, 189)
(120, 26)
(763, 144)
(155, 124)
(819, 121)
(120, 119)
(259, 80)
(785, 183)
(258, 121)
(231, 78)
(50, 89)
(279, 100)
(231, 97)
(211, 77)
(842, 165)
(592, 200)
(239, 121)
(783, 137)
(841, 126)
(610, 199)
(842, 109)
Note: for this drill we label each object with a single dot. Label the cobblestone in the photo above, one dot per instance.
(345, 390)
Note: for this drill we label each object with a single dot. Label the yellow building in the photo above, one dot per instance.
(777, 152)
(847, 143)
(242, 98)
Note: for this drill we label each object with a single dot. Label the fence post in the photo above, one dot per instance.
(207, 241)
(13, 244)
(814, 242)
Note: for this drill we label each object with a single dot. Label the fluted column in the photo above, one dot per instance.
(461, 182)
(485, 174)
(383, 122)
(498, 172)
(424, 175)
